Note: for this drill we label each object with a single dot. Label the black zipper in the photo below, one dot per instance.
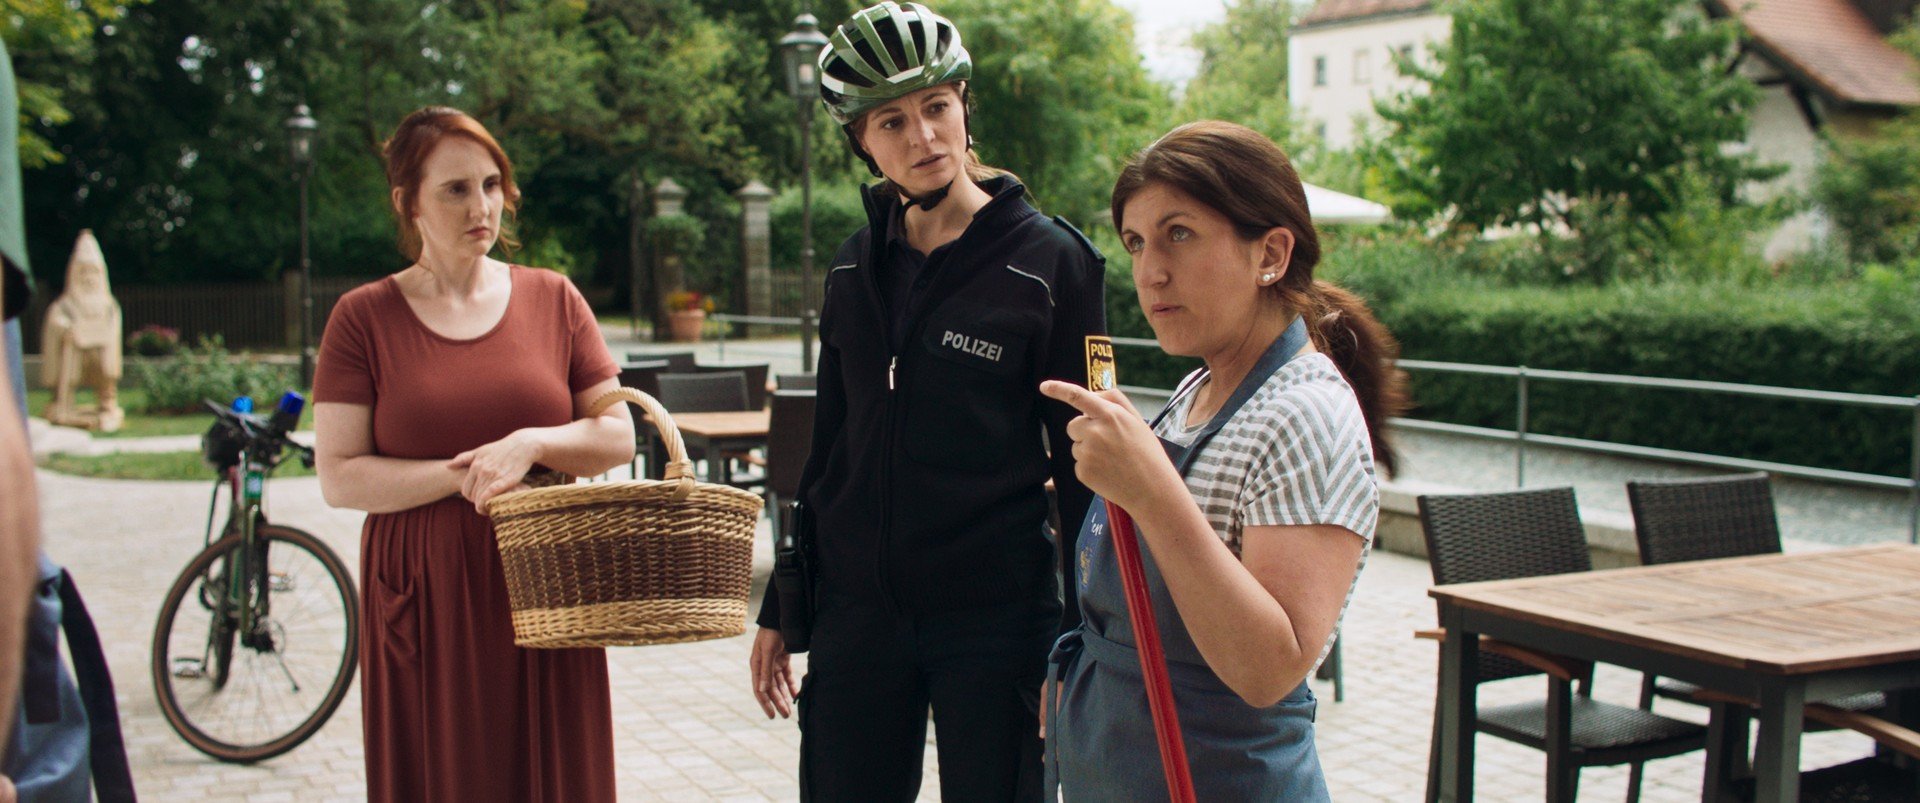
(885, 531)
(921, 288)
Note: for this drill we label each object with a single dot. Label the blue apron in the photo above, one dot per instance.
(1100, 739)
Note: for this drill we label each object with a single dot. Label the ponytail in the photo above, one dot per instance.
(1342, 327)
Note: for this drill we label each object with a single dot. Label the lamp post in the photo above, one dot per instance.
(300, 128)
(800, 49)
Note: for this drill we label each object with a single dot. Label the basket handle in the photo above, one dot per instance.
(678, 466)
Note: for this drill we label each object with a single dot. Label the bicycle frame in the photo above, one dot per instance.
(247, 481)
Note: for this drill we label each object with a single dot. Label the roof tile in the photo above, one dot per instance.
(1834, 45)
(1327, 11)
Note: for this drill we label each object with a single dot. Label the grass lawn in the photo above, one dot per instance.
(151, 466)
(142, 425)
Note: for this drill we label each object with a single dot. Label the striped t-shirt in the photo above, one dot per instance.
(1296, 453)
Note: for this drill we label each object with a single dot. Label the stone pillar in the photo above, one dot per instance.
(756, 258)
(668, 276)
(668, 196)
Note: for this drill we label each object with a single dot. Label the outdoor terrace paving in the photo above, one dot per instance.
(687, 727)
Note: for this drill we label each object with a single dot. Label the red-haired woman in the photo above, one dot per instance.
(1254, 491)
(438, 388)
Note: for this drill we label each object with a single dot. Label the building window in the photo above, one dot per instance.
(1320, 131)
(1405, 61)
(1362, 67)
(1319, 70)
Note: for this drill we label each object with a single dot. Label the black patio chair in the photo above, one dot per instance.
(1879, 778)
(717, 392)
(643, 376)
(755, 374)
(796, 381)
(1705, 519)
(678, 362)
(789, 439)
(1500, 536)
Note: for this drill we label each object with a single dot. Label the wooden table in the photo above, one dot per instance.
(734, 431)
(1779, 629)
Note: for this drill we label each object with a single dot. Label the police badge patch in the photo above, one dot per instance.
(1100, 363)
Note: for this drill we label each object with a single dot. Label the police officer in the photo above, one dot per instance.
(936, 578)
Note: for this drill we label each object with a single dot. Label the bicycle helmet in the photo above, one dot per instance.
(885, 52)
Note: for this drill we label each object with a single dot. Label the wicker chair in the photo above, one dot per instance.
(789, 439)
(796, 381)
(716, 392)
(755, 374)
(643, 376)
(678, 362)
(1499, 536)
(1878, 778)
(1705, 519)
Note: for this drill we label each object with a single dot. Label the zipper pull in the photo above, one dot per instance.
(892, 362)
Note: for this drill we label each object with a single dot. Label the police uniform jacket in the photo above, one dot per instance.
(927, 472)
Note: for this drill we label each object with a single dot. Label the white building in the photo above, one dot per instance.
(1822, 65)
(1340, 59)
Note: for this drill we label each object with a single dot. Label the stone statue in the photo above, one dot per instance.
(80, 343)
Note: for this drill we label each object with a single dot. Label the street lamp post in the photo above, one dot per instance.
(300, 128)
(801, 51)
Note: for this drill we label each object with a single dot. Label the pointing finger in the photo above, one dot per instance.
(1080, 398)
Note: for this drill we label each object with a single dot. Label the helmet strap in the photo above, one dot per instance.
(932, 199)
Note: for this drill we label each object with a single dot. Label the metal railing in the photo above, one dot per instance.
(807, 322)
(1521, 437)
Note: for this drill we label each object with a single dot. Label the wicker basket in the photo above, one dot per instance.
(628, 563)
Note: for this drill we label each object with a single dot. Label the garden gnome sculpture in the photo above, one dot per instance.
(80, 343)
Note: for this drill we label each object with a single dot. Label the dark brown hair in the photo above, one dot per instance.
(406, 155)
(1246, 178)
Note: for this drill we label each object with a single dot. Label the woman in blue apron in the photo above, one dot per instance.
(1254, 492)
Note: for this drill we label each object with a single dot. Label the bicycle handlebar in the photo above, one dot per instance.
(259, 430)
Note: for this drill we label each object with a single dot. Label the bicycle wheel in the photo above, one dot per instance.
(284, 676)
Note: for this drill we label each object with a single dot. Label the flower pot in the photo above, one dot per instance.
(684, 325)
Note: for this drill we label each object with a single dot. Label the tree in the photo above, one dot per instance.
(36, 28)
(173, 149)
(1243, 69)
(1870, 185)
(1590, 117)
(1061, 96)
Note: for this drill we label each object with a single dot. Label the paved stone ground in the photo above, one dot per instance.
(686, 725)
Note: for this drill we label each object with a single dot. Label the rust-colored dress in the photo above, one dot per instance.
(453, 710)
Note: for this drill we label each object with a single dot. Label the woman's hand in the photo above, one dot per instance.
(774, 685)
(1049, 699)
(495, 468)
(1114, 452)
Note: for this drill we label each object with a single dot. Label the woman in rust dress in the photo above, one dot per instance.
(439, 388)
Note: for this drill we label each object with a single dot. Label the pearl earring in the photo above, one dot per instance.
(1266, 277)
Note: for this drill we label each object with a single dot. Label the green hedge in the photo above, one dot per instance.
(1855, 336)
(1836, 338)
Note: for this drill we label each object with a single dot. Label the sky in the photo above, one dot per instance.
(1161, 29)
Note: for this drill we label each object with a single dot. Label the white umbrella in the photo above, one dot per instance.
(1329, 206)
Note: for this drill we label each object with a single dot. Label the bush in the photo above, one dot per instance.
(154, 340)
(207, 371)
(837, 214)
(1470, 304)
(1823, 338)
(678, 235)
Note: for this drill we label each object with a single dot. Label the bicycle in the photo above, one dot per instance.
(258, 638)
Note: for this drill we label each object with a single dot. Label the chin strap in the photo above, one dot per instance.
(932, 199)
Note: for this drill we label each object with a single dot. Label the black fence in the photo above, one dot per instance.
(257, 315)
